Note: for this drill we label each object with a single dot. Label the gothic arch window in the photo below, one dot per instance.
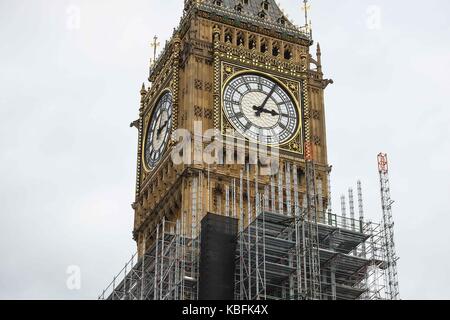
(265, 5)
(282, 20)
(252, 42)
(240, 39)
(275, 49)
(264, 46)
(238, 7)
(228, 36)
(287, 52)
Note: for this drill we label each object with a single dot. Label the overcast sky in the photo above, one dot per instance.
(69, 91)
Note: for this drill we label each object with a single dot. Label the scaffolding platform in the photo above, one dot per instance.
(289, 247)
(272, 262)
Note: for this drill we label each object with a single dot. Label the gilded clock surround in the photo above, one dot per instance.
(147, 121)
(231, 59)
(292, 87)
(164, 76)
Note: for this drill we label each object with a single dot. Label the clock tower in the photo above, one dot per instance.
(241, 69)
(232, 189)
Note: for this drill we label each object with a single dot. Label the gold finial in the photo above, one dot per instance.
(306, 7)
(155, 44)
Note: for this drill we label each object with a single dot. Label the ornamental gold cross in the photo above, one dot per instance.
(306, 7)
(155, 44)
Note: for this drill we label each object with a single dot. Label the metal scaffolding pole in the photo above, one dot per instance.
(272, 194)
(361, 215)
(329, 202)
(320, 211)
(280, 191)
(351, 202)
(343, 211)
(313, 248)
(388, 225)
(288, 190)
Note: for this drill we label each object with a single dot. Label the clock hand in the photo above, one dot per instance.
(269, 95)
(261, 108)
(162, 128)
(272, 112)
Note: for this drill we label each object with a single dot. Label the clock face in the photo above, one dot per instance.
(260, 109)
(158, 131)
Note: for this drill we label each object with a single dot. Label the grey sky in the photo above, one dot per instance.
(68, 155)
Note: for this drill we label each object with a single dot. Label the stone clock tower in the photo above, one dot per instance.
(233, 66)
(232, 191)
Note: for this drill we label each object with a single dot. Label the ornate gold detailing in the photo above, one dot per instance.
(295, 146)
(306, 111)
(198, 84)
(227, 125)
(253, 58)
(317, 141)
(293, 87)
(140, 140)
(175, 81)
(198, 112)
(207, 114)
(267, 29)
(145, 123)
(228, 70)
(316, 114)
(216, 85)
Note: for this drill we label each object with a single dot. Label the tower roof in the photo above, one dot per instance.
(257, 11)
(266, 10)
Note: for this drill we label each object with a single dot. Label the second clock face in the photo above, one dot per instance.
(158, 131)
(260, 109)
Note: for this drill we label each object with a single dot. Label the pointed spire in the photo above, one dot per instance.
(143, 91)
(319, 58)
(319, 53)
(306, 7)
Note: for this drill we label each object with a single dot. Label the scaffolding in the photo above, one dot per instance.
(168, 271)
(290, 246)
(275, 262)
(391, 258)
